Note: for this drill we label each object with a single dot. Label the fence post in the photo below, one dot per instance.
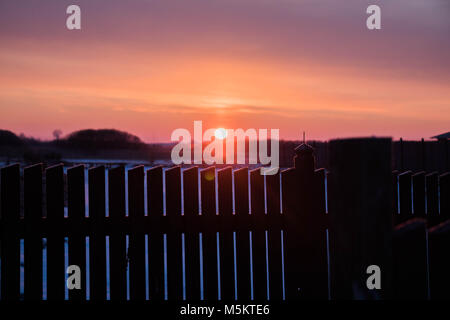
(360, 208)
(306, 250)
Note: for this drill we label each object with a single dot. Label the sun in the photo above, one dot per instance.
(220, 133)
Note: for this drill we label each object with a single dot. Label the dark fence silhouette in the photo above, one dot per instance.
(296, 250)
(421, 155)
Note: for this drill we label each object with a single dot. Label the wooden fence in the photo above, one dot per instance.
(274, 236)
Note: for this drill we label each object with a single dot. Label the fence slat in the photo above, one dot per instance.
(97, 239)
(76, 214)
(418, 181)
(242, 236)
(410, 260)
(209, 243)
(444, 196)
(274, 237)
(395, 197)
(258, 236)
(319, 260)
(291, 258)
(174, 253)
(191, 245)
(226, 242)
(136, 244)
(155, 240)
(33, 241)
(431, 181)
(117, 244)
(405, 196)
(10, 249)
(54, 186)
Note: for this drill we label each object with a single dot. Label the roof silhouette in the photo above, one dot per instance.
(442, 136)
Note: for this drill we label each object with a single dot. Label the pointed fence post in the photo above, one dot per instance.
(306, 249)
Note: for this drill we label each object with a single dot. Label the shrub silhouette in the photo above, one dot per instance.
(103, 139)
(7, 138)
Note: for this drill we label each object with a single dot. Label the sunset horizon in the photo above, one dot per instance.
(150, 67)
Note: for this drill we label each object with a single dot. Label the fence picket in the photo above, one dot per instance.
(97, 239)
(10, 249)
(288, 197)
(226, 242)
(431, 181)
(155, 240)
(191, 237)
(136, 244)
(444, 196)
(274, 237)
(117, 244)
(174, 252)
(405, 196)
(418, 181)
(209, 243)
(33, 241)
(54, 182)
(77, 238)
(258, 218)
(242, 234)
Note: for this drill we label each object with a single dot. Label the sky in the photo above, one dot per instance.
(151, 66)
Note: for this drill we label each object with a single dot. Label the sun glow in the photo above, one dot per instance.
(220, 133)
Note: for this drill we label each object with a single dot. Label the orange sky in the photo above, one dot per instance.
(149, 67)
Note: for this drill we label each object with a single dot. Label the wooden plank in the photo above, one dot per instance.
(54, 186)
(97, 239)
(76, 215)
(360, 209)
(33, 241)
(242, 236)
(209, 242)
(318, 268)
(395, 212)
(291, 258)
(444, 196)
(226, 240)
(405, 196)
(258, 236)
(117, 244)
(274, 237)
(174, 252)
(136, 244)
(439, 239)
(410, 260)
(191, 237)
(10, 246)
(155, 240)
(308, 228)
(431, 182)
(418, 181)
